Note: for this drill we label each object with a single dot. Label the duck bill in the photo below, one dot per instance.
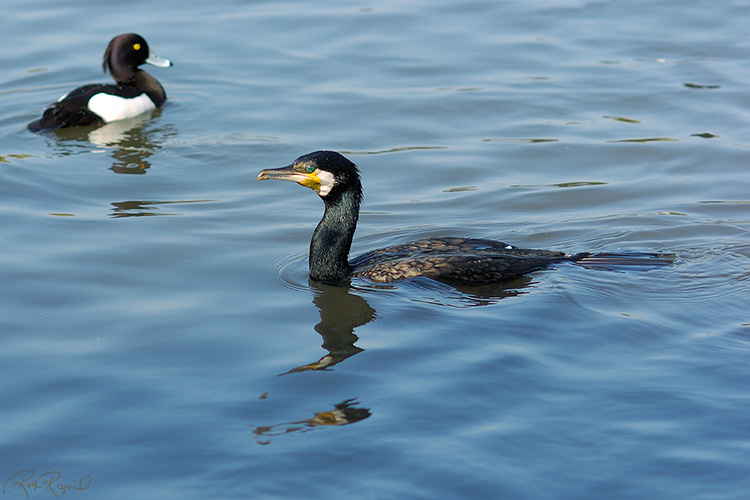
(288, 173)
(157, 61)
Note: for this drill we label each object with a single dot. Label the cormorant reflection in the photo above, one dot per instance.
(462, 295)
(343, 413)
(341, 310)
(340, 313)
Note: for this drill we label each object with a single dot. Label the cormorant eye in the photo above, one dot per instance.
(310, 168)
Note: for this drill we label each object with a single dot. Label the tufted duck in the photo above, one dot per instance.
(98, 103)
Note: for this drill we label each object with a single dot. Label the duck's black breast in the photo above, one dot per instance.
(453, 260)
(94, 104)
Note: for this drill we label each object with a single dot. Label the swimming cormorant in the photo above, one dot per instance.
(449, 260)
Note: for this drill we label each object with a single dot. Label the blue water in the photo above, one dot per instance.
(154, 292)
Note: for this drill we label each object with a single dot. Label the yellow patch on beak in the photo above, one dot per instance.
(311, 180)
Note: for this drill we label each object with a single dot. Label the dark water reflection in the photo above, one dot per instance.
(134, 208)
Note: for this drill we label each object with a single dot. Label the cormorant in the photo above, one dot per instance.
(449, 260)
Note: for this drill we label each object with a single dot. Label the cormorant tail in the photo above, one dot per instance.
(635, 261)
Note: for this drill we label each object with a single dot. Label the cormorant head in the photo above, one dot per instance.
(328, 173)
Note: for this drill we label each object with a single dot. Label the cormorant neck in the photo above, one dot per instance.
(332, 239)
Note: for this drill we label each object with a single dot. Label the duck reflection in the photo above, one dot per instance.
(131, 142)
(343, 413)
(341, 312)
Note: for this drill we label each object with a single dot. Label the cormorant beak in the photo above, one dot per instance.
(157, 61)
(289, 173)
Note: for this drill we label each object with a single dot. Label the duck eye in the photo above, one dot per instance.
(137, 46)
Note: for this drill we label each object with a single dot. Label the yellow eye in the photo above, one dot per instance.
(137, 46)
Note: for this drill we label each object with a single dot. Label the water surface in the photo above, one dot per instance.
(158, 333)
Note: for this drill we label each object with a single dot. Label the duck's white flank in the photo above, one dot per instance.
(111, 107)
